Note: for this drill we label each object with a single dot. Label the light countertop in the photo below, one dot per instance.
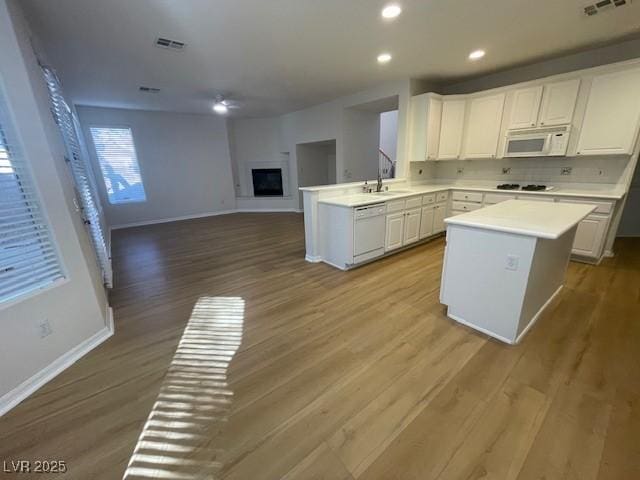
(607, 192)
(536, 219)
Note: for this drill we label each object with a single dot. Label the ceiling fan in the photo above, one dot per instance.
(222, 106)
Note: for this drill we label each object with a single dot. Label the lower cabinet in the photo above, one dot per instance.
(412, 226)
(439, 212)
(426, 222)
(394, 231)
(590, 236)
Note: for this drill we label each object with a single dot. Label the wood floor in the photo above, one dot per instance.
(356, 375)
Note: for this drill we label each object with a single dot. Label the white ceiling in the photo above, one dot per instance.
(276, 56)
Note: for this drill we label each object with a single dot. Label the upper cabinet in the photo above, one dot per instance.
(544, 105)
(526, 104)
(426, 111)
(612, 115)
(451, 128)
(482, 128)
(559, 102)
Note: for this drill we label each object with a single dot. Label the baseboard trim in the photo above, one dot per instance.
(313, 259)
(268, 210)
(171, 219)
(203, 215)
(11, 399)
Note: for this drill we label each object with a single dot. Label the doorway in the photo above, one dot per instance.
(316, 163)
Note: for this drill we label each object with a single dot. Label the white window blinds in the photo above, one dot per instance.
(119, 164)
(82, 176)
(28, 256)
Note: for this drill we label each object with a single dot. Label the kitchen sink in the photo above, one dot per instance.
(392, 192)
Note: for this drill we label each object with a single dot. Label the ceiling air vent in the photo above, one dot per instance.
(602, 5)
(149, 89)
(163, 42)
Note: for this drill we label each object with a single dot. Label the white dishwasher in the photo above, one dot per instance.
(368, 232)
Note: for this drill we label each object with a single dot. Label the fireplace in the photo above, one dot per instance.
(267, 182)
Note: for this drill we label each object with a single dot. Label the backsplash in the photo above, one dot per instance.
(609, 169)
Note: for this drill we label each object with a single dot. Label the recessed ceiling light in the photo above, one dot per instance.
(384, 58)
(220, 108)
(476, 54)
(391, 11)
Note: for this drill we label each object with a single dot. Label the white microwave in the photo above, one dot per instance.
(537, 142)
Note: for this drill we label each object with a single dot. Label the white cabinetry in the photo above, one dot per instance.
(559, 102)
(526, 104)
(426, 222)
(590, 236)
(544, 105)
(612, 115)
(412, 226)
(439, 212)
(482, 128)
(451, 128)
(426, 111)
(394, 231)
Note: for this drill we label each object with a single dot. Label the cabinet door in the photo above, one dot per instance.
(425, 127)
(451, 128)
(426, 222)
(483, 127)
(559, 102)
(439, 212)
(412, 226)
(612, 116)
(434, 114)
(590, 236)
(394, 231)
(526, 104)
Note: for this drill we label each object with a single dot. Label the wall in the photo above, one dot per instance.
(618, 52)
(630, 221)
(184, 161)
(77, 308)
(360, 142)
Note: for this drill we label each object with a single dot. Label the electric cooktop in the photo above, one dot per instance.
(516, 186)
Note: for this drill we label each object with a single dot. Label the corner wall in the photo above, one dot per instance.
(76, 308)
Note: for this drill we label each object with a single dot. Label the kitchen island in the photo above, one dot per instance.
(505, 263)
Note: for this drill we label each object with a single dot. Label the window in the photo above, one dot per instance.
(83, 178)
(119, 164)
(28, 257)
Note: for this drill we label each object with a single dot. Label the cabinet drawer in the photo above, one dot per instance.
(442, 196)
(395, 206)
(465, 206)
(467, 196)
(601, 207)
(429, 199)
(493, 198)
(413, 202)
(536, 198)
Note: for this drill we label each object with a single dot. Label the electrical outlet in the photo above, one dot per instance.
(460, 170)
(512, 262)
(566, 171)
(44, 328)
(506, 170)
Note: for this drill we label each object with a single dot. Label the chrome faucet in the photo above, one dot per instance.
(379, 185)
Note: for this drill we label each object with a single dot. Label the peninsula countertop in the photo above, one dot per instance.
(609, 192)
(535, 219)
